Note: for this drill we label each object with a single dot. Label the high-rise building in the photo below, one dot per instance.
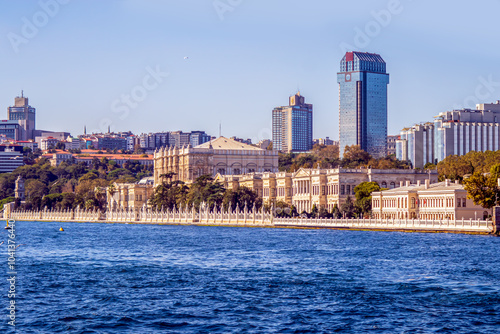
(293, 126)
(454, 132)
(363, 84)
(199, 137)
(391, 144)
(25, 115)
(10, 129)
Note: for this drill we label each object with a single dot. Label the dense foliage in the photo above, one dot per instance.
(483, 188)
(70, 184)
(328, 157)
(456, 167)
(203, 192)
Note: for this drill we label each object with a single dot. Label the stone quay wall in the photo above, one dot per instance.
(252, 218)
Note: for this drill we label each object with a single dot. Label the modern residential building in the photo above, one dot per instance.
(247, 141)
(391, 144)
(111, 143)
(25, 115)
(199, 137)
(293, 126)
(87, 156)
(219, 156)
(363, 84)
(74, 143)
(179, 139)
(264, 143)
(41, 135)
(152, 141)
(132, 140)
(454, 132)
(48, 143)
(11, 157)
(26, 143)
(10, 129)
(423, 200)
(325, 141)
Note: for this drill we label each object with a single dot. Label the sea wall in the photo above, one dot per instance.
(251, 218)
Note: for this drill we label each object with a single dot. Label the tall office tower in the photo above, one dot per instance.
(25, 115)
(293, 126)
(363, 102)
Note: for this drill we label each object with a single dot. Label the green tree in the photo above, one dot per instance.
(171, 195)
(35, 190)
(483, 188)
(241, 197)
(314, 211)
(354, 157)
(204, 190)
(336, 212)
(363, 195)
(347, 209)
(50, 201)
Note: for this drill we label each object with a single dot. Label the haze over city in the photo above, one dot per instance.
(229, 62)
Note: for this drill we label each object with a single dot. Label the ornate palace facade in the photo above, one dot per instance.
(322, 187)
(220, 156)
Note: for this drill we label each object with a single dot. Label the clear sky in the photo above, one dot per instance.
(89, 62)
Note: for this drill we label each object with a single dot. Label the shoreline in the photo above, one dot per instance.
(280, 226)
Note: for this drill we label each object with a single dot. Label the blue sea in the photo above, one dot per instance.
(104, 278)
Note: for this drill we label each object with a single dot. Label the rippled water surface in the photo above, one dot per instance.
(98, 278)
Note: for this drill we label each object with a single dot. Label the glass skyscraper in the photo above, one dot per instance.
(293, 126)
(363, 102)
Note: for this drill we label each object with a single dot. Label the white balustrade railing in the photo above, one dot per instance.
(205, 216)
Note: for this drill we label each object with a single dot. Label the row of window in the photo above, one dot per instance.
(423, 202)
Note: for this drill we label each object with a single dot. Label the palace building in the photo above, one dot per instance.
(423, 200)
(219, 156)
(321, 187)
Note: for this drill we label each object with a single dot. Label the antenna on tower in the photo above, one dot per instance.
(22, 93)
(220, 129)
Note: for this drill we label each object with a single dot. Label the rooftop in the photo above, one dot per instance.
(223, 143)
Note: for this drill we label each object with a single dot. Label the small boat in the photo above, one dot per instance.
(8, 227)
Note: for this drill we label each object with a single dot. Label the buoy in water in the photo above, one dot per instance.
(61, 229)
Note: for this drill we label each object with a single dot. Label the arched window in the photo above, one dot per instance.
(384, 184)
(393, 185)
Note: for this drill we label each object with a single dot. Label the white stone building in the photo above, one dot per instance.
(443, 200)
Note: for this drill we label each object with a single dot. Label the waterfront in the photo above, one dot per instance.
(102, 278)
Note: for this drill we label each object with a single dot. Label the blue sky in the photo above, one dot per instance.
(84, 57)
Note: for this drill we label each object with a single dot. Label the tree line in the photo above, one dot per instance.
(205, 191)
(328, 157)
(70, 184)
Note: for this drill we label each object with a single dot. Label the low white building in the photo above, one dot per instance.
(443, 200)
(48, 143)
